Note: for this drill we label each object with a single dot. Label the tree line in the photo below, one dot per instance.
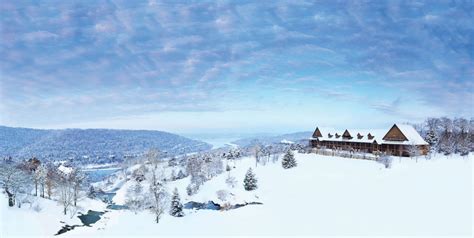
(448, 136)
(22, 179)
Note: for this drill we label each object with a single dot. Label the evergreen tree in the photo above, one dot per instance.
(289, 160)
(432, 139)
(176, 205)
(92, 193)
(250, 181)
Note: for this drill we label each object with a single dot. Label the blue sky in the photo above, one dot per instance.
(234, 66)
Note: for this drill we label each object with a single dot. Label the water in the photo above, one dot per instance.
(210, 205)
(87, 220)
(91, 217)
(107, 198)
(199, 206)
(114, 206)
(96, 175)
(217, 140)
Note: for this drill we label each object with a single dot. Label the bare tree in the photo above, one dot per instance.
(195, 168)
(65, 191)
(135, 197)
(40, 177)
(414, 151)
(213, 167)
(51, 177)
(257, 152)
(77, 179)
(159, 196)
(153, 156)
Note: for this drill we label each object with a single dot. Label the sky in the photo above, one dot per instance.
(234, 66)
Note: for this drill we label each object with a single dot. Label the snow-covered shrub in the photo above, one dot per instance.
(191, 189)
(231, 181)
(222, 195)
(36, 207)
(23, 198)
(176, 205)
(289, 160)
(250, 181)
(385, 160)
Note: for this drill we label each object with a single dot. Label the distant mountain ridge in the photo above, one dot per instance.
(266, 140)
(91, 143)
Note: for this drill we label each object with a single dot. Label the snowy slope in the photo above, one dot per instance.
(323, 196)
(47, 221)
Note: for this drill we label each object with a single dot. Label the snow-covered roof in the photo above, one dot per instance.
(377, 135)
(65, 170)
(413, 137)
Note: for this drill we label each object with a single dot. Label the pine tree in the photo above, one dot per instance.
(250, 181)
(176, 205)
(432, 139)
(289, 160)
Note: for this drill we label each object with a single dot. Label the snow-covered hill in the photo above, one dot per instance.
(91, 143)
(321, 196)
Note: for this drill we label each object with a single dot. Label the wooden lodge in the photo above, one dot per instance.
(399, 140)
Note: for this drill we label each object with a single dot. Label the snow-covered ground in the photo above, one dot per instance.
(321, 196)
(45, 221)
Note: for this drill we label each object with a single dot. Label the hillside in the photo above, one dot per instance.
(322, 196)
(91, 143)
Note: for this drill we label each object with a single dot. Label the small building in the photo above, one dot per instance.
(399, 140)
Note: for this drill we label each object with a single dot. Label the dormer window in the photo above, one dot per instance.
(337, 135)
(359, 136)
(346, 135)
(370, 136)
(329, 135)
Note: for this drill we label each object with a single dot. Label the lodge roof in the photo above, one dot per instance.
(408, 135)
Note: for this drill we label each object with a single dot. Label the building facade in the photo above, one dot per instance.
(399, 140)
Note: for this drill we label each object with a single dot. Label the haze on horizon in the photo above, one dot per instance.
(222, 66)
